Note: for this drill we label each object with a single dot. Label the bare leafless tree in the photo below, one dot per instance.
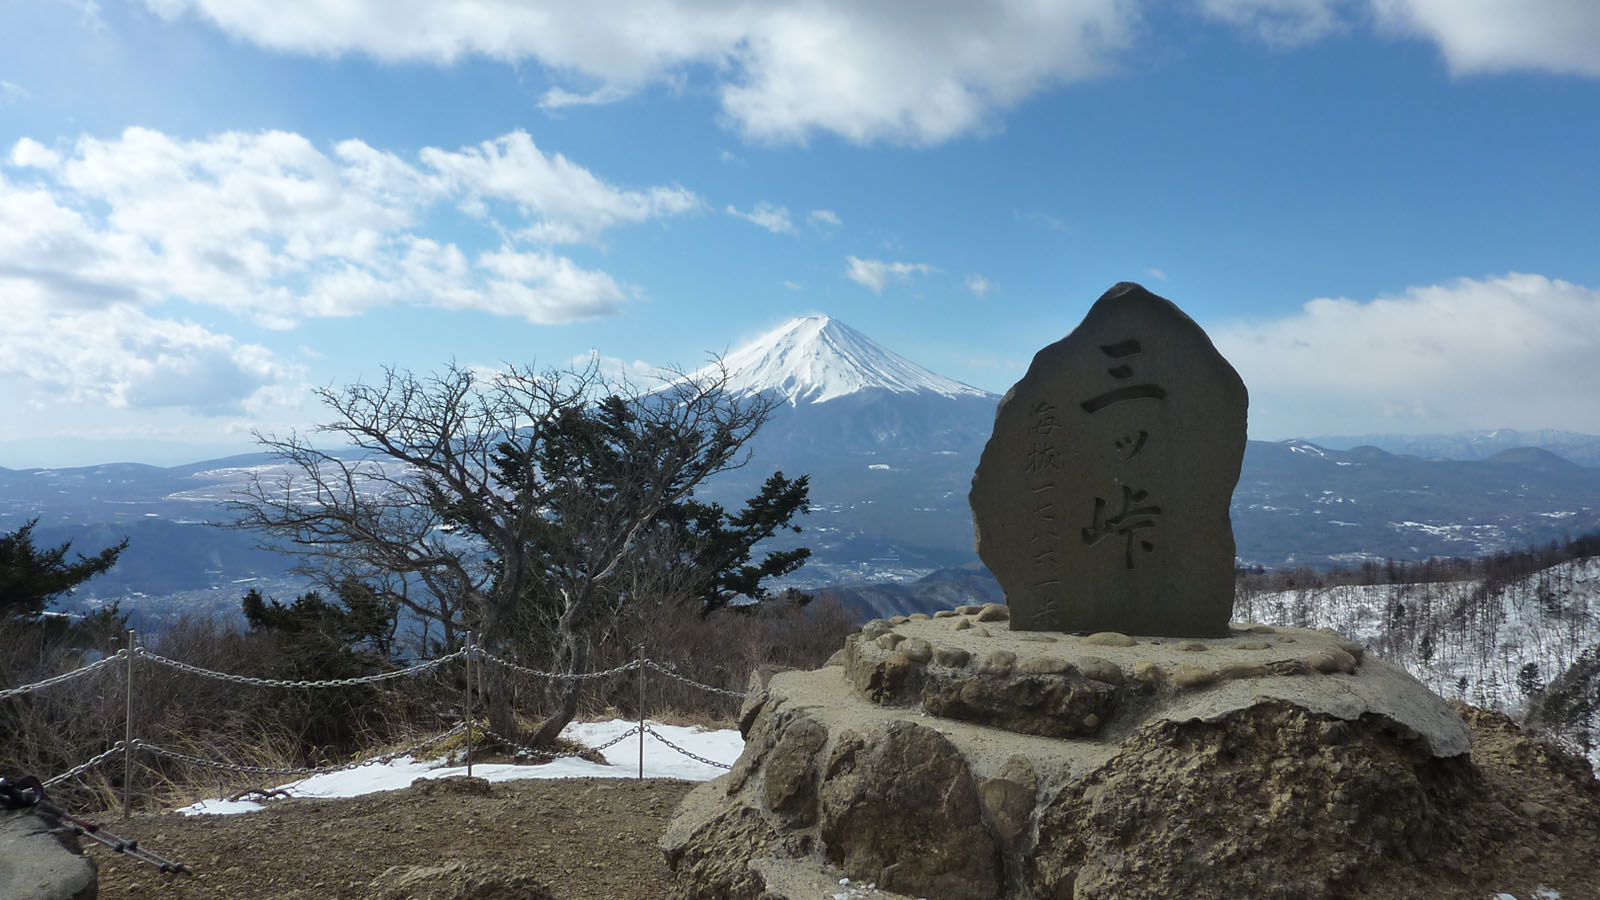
(448, 496)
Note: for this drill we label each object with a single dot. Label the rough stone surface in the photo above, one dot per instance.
(1001, 767)
(1101, 500)
(1253, 803)
(1008, 682)
(37, 864)
(901, 809)
(711, 854)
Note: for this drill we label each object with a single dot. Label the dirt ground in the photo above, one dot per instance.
(583, 839)
(1534, 820)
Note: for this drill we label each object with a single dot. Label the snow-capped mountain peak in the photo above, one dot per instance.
(814, 359)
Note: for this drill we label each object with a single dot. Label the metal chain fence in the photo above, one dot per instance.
(65, 676)
(689, 753)
(470, 652)
(480, 653)
(273, 682)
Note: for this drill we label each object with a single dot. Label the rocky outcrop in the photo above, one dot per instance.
(38, 863)
(949, 758)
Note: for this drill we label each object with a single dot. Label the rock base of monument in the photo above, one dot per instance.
(950, 758)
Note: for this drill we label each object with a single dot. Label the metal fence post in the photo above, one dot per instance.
(471, 645)
(127, 732)
(641, 712)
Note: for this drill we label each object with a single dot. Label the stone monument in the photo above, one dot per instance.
(1101, 500)
(1003, 752)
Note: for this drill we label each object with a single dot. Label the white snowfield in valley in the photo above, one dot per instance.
(814, 359)
(660, 761)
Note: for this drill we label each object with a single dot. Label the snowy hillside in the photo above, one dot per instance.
(814, 359)
(1497, 646)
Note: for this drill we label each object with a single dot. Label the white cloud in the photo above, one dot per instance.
(793, 285)
(773, 218)
(979, 285)
(11, 93)
(617, 369)
(120, 357)
(1560, 36)
(875, 274)
(98, 236)
(567, 202)
(1520, 351)
(559, 98)
(823, 219)
(1155, 273)
(1281, 23)
(29, 153)
(270, 227)
(868, 71)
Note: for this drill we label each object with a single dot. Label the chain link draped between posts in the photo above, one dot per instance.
(480, 653)
(64, 677)
(551, 757)
(191, 669)
(83, 767)
(689, 753)
(670, 673)
(473, 654)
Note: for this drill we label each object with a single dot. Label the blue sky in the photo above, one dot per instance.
(1384, 211)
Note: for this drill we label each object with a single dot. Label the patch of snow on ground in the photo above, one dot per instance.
(660, 761)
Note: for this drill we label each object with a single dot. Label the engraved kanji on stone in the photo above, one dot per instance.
(1043, 458)
(1126, 523)
(1122, 371)
(1129, 445)
(1044, 419)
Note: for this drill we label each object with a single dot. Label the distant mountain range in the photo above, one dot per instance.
(1583, 449)
(890, 447)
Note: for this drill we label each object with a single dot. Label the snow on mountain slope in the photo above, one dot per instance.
(1491, 645)
(814, 359)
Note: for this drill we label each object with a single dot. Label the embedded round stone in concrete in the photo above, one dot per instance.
(916, 649)
(1103, 670)
(1190, 676)
(1044, 665)
(993, 612)
(1109, 639)
(997, 662)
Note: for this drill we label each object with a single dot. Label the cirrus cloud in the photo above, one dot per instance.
(773, 218)
(875, 274)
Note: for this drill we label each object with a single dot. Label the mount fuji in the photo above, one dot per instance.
(815, 359)
(839, 391)
(889, 446)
